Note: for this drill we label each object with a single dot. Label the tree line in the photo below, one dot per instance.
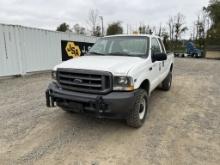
(205, 30)
(94, 28)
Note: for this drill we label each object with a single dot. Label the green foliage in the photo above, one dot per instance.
(175, 46)
(142, 29)
(114, 28)
(63, 27)
(213, 37)
(213, 10)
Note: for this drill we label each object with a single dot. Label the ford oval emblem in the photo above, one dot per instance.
(77, 81)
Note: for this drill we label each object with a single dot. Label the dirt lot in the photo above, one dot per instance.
(183, 125)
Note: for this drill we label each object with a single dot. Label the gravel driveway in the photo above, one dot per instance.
(183, 125)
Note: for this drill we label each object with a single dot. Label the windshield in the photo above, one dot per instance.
(123, 45)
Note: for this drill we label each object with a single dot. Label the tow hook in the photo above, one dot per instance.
(100, 105)
(49, 99)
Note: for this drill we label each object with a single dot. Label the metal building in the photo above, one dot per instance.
(24, 49)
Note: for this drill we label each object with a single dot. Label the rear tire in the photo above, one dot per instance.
(167, 82)
(137, 115)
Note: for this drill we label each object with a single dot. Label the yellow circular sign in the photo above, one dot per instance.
(72, 50)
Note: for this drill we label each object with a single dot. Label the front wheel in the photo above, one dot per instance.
(137, 115)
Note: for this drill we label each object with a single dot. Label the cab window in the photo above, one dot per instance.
(155, 47)
(162, 46)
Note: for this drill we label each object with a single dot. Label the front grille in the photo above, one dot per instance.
(85, 80)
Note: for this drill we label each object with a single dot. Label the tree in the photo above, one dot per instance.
(171, 28)
(93, 17)
(76, 28)
(97, 31)
(114, 28)
(200, 28)
(179, 26)
(154, 30)
(63, 27)
(165, 36)
(148, 30)
(82, 30)
(176, 28)
(213, 34)
(79, 29)
(142, 29)
(213, 10)
(160, 31)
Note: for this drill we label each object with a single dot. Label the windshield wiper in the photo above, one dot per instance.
(119, 53)
(96, 53)
(125, 54)
(116, 54)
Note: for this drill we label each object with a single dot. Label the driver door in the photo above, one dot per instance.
(156, 65)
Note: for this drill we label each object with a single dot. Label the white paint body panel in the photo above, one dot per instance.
(117, 65)
(135, 67)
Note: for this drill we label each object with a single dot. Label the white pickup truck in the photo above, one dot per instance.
(114, 79)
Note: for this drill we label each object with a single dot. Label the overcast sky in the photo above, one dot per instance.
(48, 14)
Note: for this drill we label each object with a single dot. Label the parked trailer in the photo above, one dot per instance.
(25, 49)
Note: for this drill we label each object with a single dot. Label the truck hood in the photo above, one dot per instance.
(117, 65)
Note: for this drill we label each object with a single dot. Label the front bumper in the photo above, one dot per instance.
(111, 105)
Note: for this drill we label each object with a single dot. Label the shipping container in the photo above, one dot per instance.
(25, 49)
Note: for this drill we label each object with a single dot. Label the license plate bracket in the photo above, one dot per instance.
(77, 107)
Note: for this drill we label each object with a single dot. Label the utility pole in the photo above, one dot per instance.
(101, 17)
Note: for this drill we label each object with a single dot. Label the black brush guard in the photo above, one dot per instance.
(114, 105)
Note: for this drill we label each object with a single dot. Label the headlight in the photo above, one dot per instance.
(54, 75)
(123, 83)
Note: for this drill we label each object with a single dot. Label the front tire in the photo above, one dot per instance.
(137, 115)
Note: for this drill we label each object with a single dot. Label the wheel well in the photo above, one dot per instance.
(171, 68)
(145, 85)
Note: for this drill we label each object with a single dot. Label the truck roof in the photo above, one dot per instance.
(132, 35)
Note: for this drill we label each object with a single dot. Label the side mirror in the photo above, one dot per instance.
(159, 56)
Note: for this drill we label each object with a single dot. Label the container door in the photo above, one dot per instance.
(9, 60)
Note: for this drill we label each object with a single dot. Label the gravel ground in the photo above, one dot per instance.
(183, 126)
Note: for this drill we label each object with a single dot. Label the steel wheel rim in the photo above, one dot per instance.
(170, 81)
(169, 84)
(142, 108)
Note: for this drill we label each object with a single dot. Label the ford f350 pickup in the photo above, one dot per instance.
(114, 79)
